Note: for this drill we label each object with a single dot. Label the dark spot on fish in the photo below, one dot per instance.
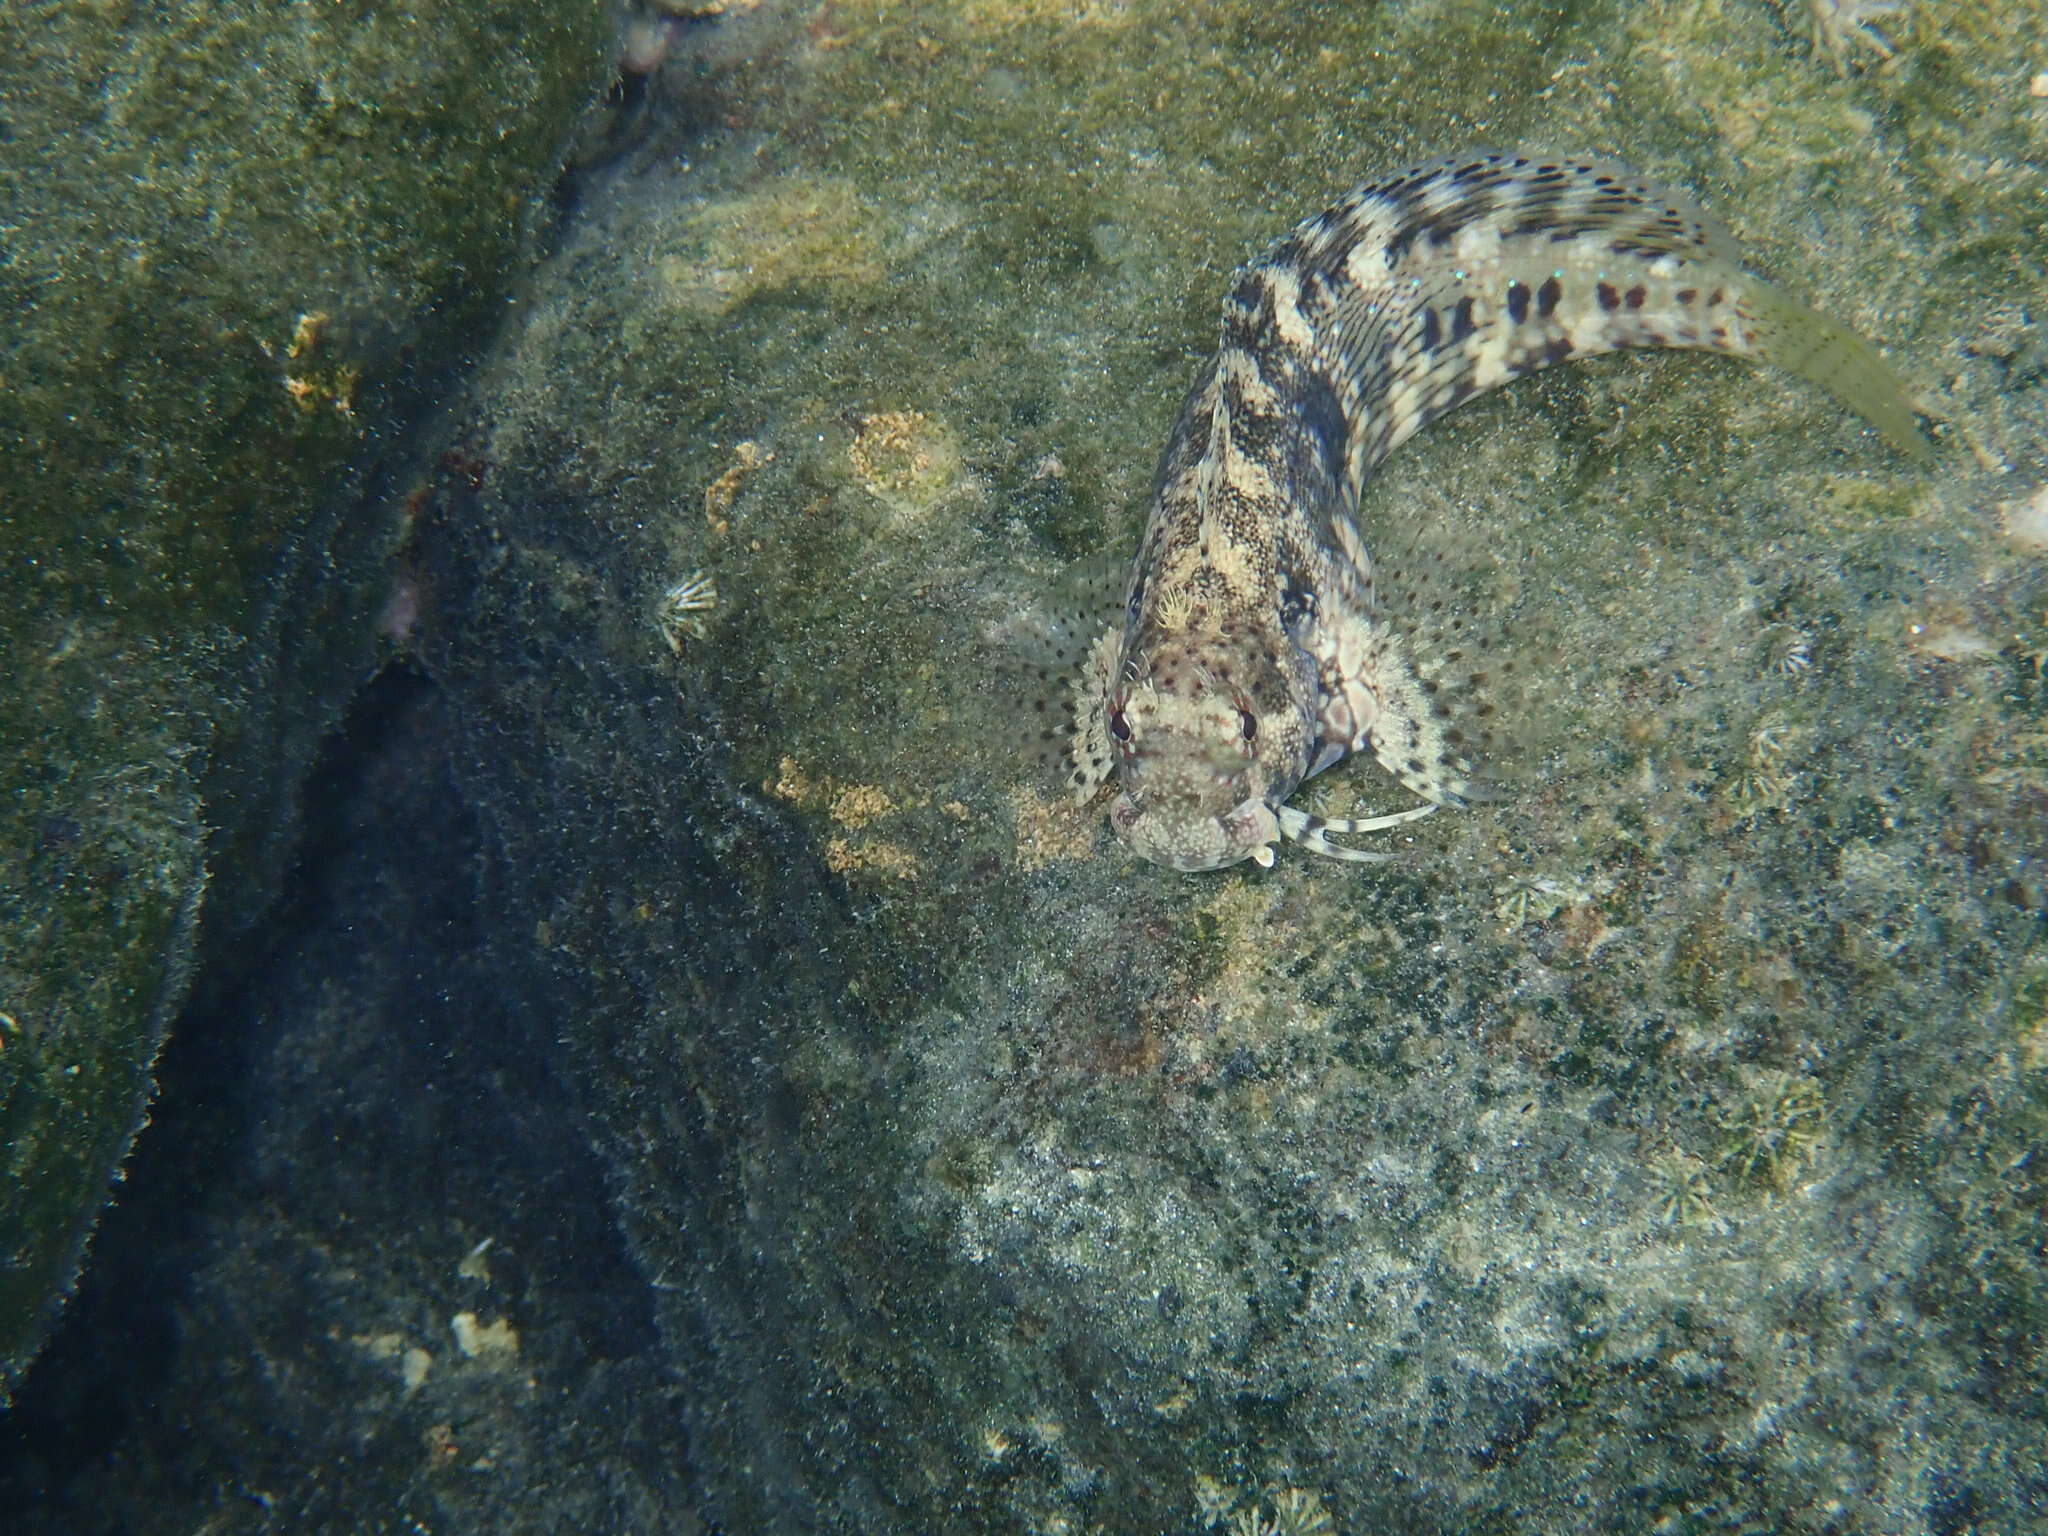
(1296, 602)
(1687, 295)
(1461, 320)
(1518, 303)
(1548, 295)
(1432, 330)
(1319, 414)
(1557, 350)
(1635, 296)
(1608, 298)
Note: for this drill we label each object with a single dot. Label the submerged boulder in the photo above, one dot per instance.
(1651, 1150)
(1655, 1146)
(245, 245)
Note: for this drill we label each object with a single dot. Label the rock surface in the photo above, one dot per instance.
(1660, 1144)
(1655, 1151)
(244, 244)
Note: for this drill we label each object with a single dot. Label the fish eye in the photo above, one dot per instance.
(1119, 727)
(1248, 723)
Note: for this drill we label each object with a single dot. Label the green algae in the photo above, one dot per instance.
(1566, 1164)
(242, 244)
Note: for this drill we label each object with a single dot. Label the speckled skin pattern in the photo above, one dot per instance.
(1258, 644)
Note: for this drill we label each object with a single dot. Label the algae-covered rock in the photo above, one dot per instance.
(1655, 1151)
(242, 243)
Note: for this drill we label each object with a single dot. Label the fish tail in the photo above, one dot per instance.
(1785, 333)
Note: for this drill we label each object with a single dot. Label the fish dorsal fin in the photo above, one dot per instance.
(1213, 474)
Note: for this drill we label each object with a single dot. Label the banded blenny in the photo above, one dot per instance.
(1259, 641)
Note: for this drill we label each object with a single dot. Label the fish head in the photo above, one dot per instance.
(1210, 739)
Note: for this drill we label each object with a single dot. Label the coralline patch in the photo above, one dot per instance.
(906, 460)
(858, 812)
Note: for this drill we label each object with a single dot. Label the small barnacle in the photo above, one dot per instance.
(1757, 789)
(676, 616)
(1214, 1500)
(1300, 1512)
(1776, 1127)
(1528, 899)
(1770, 740)
(1286, 1511)
(1788, 650)
(1842, 25)
(1684, 1197)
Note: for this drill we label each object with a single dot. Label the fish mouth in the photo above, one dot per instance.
(1199, 843)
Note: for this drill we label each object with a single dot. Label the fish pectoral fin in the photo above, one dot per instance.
(1090, 756)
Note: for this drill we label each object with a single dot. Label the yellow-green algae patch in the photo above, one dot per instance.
(797, 234)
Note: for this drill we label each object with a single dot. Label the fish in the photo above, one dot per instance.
(1258, 640)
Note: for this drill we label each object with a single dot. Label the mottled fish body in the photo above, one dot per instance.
(1257, 643)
